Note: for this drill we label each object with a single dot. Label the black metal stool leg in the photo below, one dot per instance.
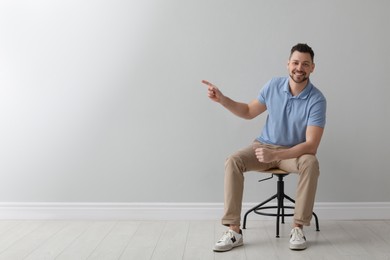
(256, 207)
(280, 193)
(277, 220)
(316, 220)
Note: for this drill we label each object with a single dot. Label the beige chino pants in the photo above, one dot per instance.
(306, 166)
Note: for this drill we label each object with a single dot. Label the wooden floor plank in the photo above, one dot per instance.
(143, 242)
(381, 228)
(343, 242)
(5, 225)
(17, 232)
(258, 243)
(172, 241)
(368, 239)
(30, 242)
(115, 242)
(200, 240)
(84, 245)
(61, 240)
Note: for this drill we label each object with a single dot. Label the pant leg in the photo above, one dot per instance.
(307, 167)
(242, 161)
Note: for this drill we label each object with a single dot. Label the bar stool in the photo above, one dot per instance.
(280, 196)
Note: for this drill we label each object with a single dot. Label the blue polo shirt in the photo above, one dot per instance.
(289, 116)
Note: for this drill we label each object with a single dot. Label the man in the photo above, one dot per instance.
(289, 141)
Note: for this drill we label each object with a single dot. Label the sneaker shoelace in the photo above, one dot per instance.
(297, 235)
(228, 235)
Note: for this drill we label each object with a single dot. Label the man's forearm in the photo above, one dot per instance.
(237, 108)
(310, 146)
(295, 151)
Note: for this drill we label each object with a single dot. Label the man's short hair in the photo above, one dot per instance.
(304, 48)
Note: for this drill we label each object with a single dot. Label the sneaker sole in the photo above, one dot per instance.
(228, 249)
(298, 247)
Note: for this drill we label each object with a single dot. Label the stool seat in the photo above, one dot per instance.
(279, 196)
(275, 171)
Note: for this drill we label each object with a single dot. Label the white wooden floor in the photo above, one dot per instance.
(170, 240)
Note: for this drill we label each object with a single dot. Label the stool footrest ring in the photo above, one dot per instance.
(258, 211)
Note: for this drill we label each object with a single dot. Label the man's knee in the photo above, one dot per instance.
(234, 161)
(308, 163)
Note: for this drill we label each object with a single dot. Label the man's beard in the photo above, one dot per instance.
(303, 77)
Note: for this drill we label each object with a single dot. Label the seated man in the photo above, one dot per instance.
(289, 141)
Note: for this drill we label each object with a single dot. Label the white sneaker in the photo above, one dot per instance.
(297, 239)
(228, 241)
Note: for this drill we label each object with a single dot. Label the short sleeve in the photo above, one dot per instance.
(317, 116)
(262, 97)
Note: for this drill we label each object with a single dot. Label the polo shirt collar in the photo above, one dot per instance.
(305, 92)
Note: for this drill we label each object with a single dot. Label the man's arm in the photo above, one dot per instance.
(243, 110)
(310, 146)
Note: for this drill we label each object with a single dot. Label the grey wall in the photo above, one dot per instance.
(101, 101)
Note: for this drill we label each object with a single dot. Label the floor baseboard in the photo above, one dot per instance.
(176, 211)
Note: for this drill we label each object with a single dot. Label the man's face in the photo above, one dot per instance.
(300, 66)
